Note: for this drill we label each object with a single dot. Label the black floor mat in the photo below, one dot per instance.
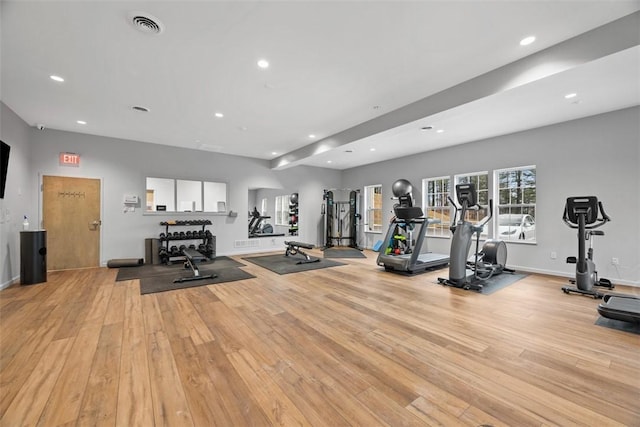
(619, 325)
(149, 270)
(343, 253)
(165, 282)
(288, 264)
(495, 283)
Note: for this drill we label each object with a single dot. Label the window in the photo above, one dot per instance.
(161, 193)
(373, 208)
(179, 195)
(263, 207)
(215, 196)
(282, 210)
(189, 195)
(516, 189)
(435, 192)
(481, 182)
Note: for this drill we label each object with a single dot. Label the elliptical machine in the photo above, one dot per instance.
(585, 214)
(487, 263)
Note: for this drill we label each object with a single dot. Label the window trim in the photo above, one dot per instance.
(488, 229)
(497, 204)
(282, 209)
(426, 208)
(174, 196)
(369, 209)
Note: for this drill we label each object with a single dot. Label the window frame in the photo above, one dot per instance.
(442, 229)
(172, 200)
(373, 208)
(531, 208)
(484, 207)
(282, 210)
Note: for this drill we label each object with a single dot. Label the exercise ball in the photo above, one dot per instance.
(401, 187)
(294, 198)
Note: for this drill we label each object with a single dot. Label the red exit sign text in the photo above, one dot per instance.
(69, 159)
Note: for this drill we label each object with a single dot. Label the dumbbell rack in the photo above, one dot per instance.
(199, 235)
(293, 219)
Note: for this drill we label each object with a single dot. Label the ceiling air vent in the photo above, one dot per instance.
(146, 23)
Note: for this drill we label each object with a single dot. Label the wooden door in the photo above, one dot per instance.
(71, 216)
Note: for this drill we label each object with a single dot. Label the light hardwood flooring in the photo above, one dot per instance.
(350, 345)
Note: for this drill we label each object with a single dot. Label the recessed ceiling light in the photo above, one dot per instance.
(440, 130)
(273, 153)
(311, 136)
(263, 63)
(372, 149)
(426, 128)
(570, 95)
(56, 78)
(243, 128)
(140, 108)
(329, 161)
(219, 115)
(527, 40)
(81, 122)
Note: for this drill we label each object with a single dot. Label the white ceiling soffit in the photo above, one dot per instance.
(341, 70)
(602, 66)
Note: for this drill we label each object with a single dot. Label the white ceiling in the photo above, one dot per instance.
(333, 66)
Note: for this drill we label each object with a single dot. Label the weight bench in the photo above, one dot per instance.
(293, 248)
(192, 256)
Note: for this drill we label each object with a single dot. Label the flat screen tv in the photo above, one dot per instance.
(4, 164)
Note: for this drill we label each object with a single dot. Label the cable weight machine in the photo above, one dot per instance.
(341, 217)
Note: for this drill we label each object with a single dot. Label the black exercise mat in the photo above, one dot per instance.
(501, 281)
(150, 270)
(343, 253)
(165, 282)
(287, 264)
(619, 325)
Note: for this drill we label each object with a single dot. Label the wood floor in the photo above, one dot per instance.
(349, 345)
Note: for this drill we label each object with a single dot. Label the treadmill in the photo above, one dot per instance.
(409, 260)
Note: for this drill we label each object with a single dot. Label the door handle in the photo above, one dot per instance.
(95, 224)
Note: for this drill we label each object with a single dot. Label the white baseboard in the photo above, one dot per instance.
(568, 275)
(8, 283)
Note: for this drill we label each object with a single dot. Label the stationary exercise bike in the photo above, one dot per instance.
(487, 263)
(585, 214)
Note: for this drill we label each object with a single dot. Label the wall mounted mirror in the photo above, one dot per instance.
(272, 213)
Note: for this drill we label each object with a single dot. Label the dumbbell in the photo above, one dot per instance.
(182, 247)
(189, 233)
(192, 246)
(162, 236)
(174, 251)
(182, 234)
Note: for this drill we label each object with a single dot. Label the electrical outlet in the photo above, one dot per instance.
(554, 255)
(615, 261)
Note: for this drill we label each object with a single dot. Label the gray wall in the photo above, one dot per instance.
(16, 203)
(122, 166)
(592, 156)
(597, 155)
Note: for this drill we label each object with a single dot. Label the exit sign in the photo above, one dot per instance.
(69, 159)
